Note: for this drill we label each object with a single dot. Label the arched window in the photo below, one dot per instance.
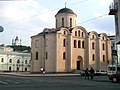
(82, 34)
(79, 33)
(93, 45)
(2, 60)
(83, 44)
(75, 33)
(64, 41)
(18, 61)
(103, 38)
(75, 45)
(103, 58)
(64, 32)
(103, 46)
(93, 57)
(63, 22)
(26, 62)
(64, 55)
(10, 61)
(93, 36)
(36, 56)
(79, 44)
(10, 68)
(25, 68)
(70, 22)
(36, 43)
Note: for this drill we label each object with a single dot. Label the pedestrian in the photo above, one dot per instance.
(87, 73)
(42, 70)
(92, 72)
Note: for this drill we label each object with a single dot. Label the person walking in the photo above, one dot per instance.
(92, 72)
(87, 73)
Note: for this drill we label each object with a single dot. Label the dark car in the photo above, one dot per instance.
(115, 77)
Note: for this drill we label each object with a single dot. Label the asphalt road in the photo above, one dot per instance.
(8, 82)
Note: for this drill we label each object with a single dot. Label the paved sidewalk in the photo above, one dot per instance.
(28, 74)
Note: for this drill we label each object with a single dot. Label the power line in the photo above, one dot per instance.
(93, 19)
(38, 14)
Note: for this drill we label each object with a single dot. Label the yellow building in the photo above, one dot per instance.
(68, 47)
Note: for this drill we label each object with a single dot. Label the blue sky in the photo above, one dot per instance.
(25, 18)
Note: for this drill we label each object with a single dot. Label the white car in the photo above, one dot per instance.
(100, 72)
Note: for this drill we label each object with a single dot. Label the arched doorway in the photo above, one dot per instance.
(79, 63)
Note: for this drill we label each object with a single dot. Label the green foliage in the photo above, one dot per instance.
(21, 48)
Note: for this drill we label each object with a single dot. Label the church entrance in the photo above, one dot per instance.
(79, 63)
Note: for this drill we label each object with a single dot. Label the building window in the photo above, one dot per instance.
(26, 62)
(79, 44)
(93, 36)
(103, 58)
(64, 32)
(75, 33)
(83, 44)
(93, 45)
(70, 22)
(10, 61)
(79, 33)
(103, 46)
(10, 68)
(36, 43)
(18, 61)
(64, 42)
(75, 45)
(36, 56)
(64, 55)
(25, 68)
(93, 57)
(63, 22)
(103, 38)
(2, 60)
(82, 34)
(46, 56)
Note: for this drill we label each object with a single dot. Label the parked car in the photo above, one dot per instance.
(115, 77)
(100, 73)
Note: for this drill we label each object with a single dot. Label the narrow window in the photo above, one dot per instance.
(93, 37)
(64, 41)
(75, 44)
(64, 55)
(79, 33)
(82, 34)
(103, 46)
(36, 44)
(93, 45)
(36, 56)
(26, 62)
(2, 60)
(103, 58)
(10, 61)
(93, 57)
(64, 32)
(70, 22)
(79, 44)
(18, 61)
(75, 33)
(83, 44)
(63, 22)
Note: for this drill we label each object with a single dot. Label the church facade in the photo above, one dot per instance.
(68, 47)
